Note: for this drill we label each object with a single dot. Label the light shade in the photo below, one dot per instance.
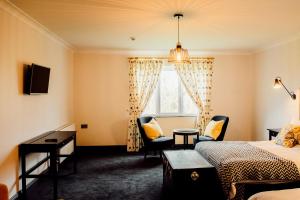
(277, 83)
(179, 55)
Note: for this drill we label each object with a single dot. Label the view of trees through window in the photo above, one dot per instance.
(170, 96)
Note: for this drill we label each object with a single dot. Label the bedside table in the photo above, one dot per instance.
(273, 132)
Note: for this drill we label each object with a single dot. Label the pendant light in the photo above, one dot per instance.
(178, 54)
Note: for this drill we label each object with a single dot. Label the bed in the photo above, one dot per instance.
(250, 166)
(287, 194)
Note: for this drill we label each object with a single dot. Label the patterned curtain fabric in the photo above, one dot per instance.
(143, 78)
(197, 79)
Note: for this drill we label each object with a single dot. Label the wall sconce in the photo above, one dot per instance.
(278, 83)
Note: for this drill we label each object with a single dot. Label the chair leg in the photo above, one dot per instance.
(160, 153)
(145, 153)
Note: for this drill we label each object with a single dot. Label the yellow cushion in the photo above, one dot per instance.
(213, 129)
(288, 136)
(152, 129)
(296, 133)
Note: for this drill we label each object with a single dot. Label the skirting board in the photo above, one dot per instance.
(85, 150)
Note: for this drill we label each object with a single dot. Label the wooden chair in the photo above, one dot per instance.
(157, 144)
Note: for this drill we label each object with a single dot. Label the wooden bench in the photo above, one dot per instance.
(186, 174)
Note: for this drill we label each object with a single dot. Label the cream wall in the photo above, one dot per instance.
(273, 107)
(232, 94)
(22, 116)
(101, 97)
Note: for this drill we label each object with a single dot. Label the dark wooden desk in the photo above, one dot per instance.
(273, 132)
(49, 142)
(185, 133)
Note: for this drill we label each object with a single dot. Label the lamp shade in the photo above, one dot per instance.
(179, 55)
(277, 83)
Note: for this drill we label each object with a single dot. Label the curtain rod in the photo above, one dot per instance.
(192, 58)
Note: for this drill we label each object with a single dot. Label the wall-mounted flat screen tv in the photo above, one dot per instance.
(36, 79)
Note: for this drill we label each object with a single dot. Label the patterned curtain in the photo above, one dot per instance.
(143, 78)
(197, 79)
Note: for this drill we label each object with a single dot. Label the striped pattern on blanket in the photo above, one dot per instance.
(240, 161)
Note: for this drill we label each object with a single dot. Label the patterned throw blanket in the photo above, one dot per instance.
(239, 161)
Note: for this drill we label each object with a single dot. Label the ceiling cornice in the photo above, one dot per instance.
(161, 52)
(13, 10)
(277, 44)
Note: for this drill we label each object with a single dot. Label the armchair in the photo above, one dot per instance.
(203, 138)
(157, 144)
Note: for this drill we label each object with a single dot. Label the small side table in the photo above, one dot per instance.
(273, 132)
(186, 132)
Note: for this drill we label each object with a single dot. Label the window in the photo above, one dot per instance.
(170, 97)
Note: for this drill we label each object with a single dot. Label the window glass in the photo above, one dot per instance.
(151, 106)
(169, 97)
(189, 107)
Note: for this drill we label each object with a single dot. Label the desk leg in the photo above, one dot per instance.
(174, 140)
(185, 141)
(74, 156)
(23, 166)
(54, 172)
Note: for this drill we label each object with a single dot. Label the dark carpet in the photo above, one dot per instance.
(114, 176)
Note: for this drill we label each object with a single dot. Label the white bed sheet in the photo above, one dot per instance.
(288, 194)
(292, 154)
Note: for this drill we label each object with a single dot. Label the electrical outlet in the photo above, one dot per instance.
(83, 126)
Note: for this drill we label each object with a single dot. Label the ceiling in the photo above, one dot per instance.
(239, 25)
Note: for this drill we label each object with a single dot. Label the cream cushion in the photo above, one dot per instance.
(213, 129)
(152, 129)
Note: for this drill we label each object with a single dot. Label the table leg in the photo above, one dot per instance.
(185, 141)
(74, 156)
(54, 172)
(23, 166)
